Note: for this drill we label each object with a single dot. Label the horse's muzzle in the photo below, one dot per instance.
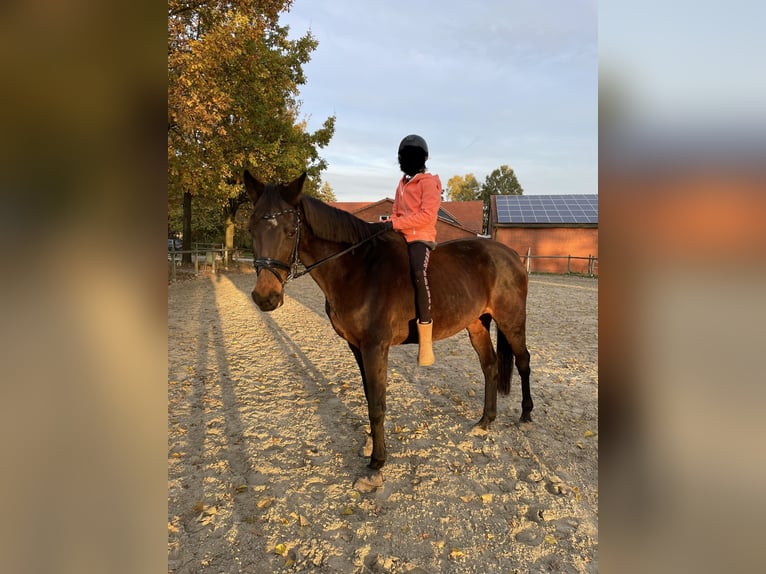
(268, 292)
(270, 301)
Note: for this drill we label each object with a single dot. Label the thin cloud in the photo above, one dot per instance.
(486, 84)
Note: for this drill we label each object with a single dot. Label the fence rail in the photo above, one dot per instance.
(209, 255)
(591, 269)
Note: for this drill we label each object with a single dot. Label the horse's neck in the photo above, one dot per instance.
(315, 250)
(330, 274)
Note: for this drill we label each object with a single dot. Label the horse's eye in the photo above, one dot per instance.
(291, 233)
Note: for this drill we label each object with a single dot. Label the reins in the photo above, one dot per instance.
(335, 255)
(292, 268)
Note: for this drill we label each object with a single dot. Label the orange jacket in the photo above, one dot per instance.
(416, 207)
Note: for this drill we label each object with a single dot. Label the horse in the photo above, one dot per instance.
(362, 269)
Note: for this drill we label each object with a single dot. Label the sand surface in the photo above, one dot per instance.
(267, 417)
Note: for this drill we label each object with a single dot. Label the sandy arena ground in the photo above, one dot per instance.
(267, 417)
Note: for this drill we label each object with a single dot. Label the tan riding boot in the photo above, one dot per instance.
(425, 352)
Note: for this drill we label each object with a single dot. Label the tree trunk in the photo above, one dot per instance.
(187, 218)
(229, 232)
(229, 215)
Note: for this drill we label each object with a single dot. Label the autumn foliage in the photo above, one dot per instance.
(233, 81)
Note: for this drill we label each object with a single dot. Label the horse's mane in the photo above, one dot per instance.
(332, 224)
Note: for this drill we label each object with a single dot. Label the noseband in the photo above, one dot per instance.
(272, 264)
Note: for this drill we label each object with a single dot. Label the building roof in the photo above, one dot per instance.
(570, 209)
(467, 214)
(351, 206)
(448, 226)
(470, 214)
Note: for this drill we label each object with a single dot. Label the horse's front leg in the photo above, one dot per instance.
(375, 365)
(366, 449)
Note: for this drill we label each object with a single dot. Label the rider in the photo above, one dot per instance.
(414, 214)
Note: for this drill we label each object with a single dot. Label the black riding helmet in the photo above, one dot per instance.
(414, 141)
(413, 153)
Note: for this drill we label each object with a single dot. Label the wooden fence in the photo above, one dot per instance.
(214, 257)
(203, 255)
(574, 264)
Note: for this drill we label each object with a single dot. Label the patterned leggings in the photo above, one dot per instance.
(419, 255)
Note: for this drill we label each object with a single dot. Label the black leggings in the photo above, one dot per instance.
(419, 255)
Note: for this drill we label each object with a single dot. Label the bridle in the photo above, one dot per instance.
(292, 267)
(270, 264)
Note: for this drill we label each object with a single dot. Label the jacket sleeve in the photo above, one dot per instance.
(428, 213)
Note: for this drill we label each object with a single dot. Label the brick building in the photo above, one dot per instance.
(559, 232)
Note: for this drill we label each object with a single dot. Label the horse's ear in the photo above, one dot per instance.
(254, 187)
(291, 192)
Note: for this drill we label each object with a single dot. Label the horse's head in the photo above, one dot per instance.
(275, 229)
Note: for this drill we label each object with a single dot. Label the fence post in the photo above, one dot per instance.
(196, 260)
(569, 262)
(173, 260)
(529, 258)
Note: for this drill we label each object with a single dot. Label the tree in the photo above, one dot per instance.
(233, 79)
(463, 188)
(326, 193)
(501, 181)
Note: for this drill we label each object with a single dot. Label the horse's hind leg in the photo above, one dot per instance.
(478, 331)
(522, 365)
(518, 344)
(513, 336)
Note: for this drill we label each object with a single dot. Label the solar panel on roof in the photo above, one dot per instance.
(579, 208)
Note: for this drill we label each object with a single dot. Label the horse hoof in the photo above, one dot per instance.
(483, 424)
(479, 430)
(526, 418)
(369, 482)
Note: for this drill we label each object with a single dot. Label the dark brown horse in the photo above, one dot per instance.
(363, 272)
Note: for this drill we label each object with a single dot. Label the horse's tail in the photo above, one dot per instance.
(504, 363)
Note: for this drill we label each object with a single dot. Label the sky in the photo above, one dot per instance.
(511, 82)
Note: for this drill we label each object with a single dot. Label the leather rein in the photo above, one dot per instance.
(292, 268)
